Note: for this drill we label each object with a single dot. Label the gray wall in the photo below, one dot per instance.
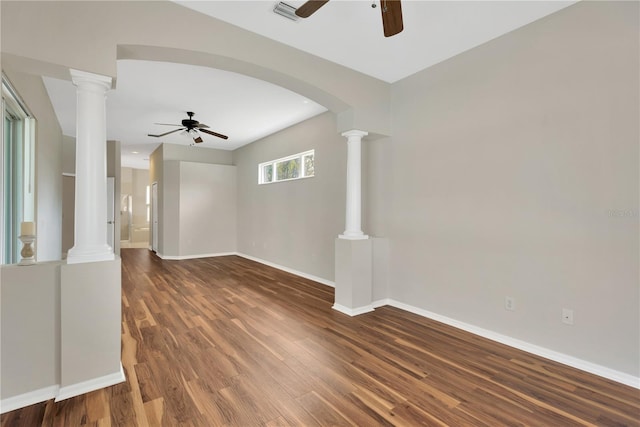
(515, 172)
(197, 154)
(30, 308)
(68, 192)
(207, 209)
(68, 213)
(91, 322)
(294, 223)
(196, 200)
(60, 330)
(68, 154)
(170, 207)
(513, 168)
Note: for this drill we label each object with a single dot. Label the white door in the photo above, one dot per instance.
(111, 213)
(154, 217)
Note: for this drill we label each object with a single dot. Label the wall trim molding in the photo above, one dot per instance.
(353, 311)
(288, 270)
(574, 362)
(28, 399)
(181, 257)
(83, 387)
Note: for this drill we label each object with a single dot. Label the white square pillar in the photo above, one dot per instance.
(353, 276)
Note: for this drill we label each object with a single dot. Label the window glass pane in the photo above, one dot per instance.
(267, 173)
(288, 169)
(296, 166)
(308, 165)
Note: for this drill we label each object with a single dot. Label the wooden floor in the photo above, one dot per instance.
(226, 341)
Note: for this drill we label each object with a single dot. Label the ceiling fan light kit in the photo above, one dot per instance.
(191, 127)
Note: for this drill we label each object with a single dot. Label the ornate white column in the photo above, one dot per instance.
(91, 170)
(353, 220)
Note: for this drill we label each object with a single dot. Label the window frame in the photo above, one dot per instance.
(17, 177)
(274, 167)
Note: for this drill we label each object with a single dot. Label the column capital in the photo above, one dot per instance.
(355, 132)
(82, 77)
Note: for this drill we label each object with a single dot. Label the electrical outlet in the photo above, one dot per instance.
(567, 316)
(509, 303)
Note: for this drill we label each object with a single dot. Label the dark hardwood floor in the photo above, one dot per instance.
(229, 342)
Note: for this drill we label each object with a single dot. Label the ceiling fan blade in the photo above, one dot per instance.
(197, 139)
(309, 8)
(166, 124)
(391, 17)
(219, 135)
(166, 133)
(202, 125)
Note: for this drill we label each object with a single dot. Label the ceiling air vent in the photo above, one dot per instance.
(286, 10)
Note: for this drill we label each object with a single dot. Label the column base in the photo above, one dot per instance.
(90, 254)
(353, 236)
(353, 311)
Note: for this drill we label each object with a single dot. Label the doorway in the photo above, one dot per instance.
(154, 217)
(126, 221)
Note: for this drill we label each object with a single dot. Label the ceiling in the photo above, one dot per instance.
(148, 92)
(347, 32)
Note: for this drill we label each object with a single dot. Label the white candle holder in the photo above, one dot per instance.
(27, 252)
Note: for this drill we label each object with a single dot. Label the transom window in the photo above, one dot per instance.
(296, 166)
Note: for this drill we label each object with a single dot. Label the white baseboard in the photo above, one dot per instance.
(288, 270)
(383, 302)
(353, 311)
(27, 399)
(565, 359)
(181, 257)
(91, 385)
(252, 258)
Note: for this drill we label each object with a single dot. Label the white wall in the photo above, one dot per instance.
(515, 173)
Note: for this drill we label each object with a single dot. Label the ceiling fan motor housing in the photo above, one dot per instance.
(192, 127)
(190, 123)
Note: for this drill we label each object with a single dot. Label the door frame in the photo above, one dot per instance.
(154, 216)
